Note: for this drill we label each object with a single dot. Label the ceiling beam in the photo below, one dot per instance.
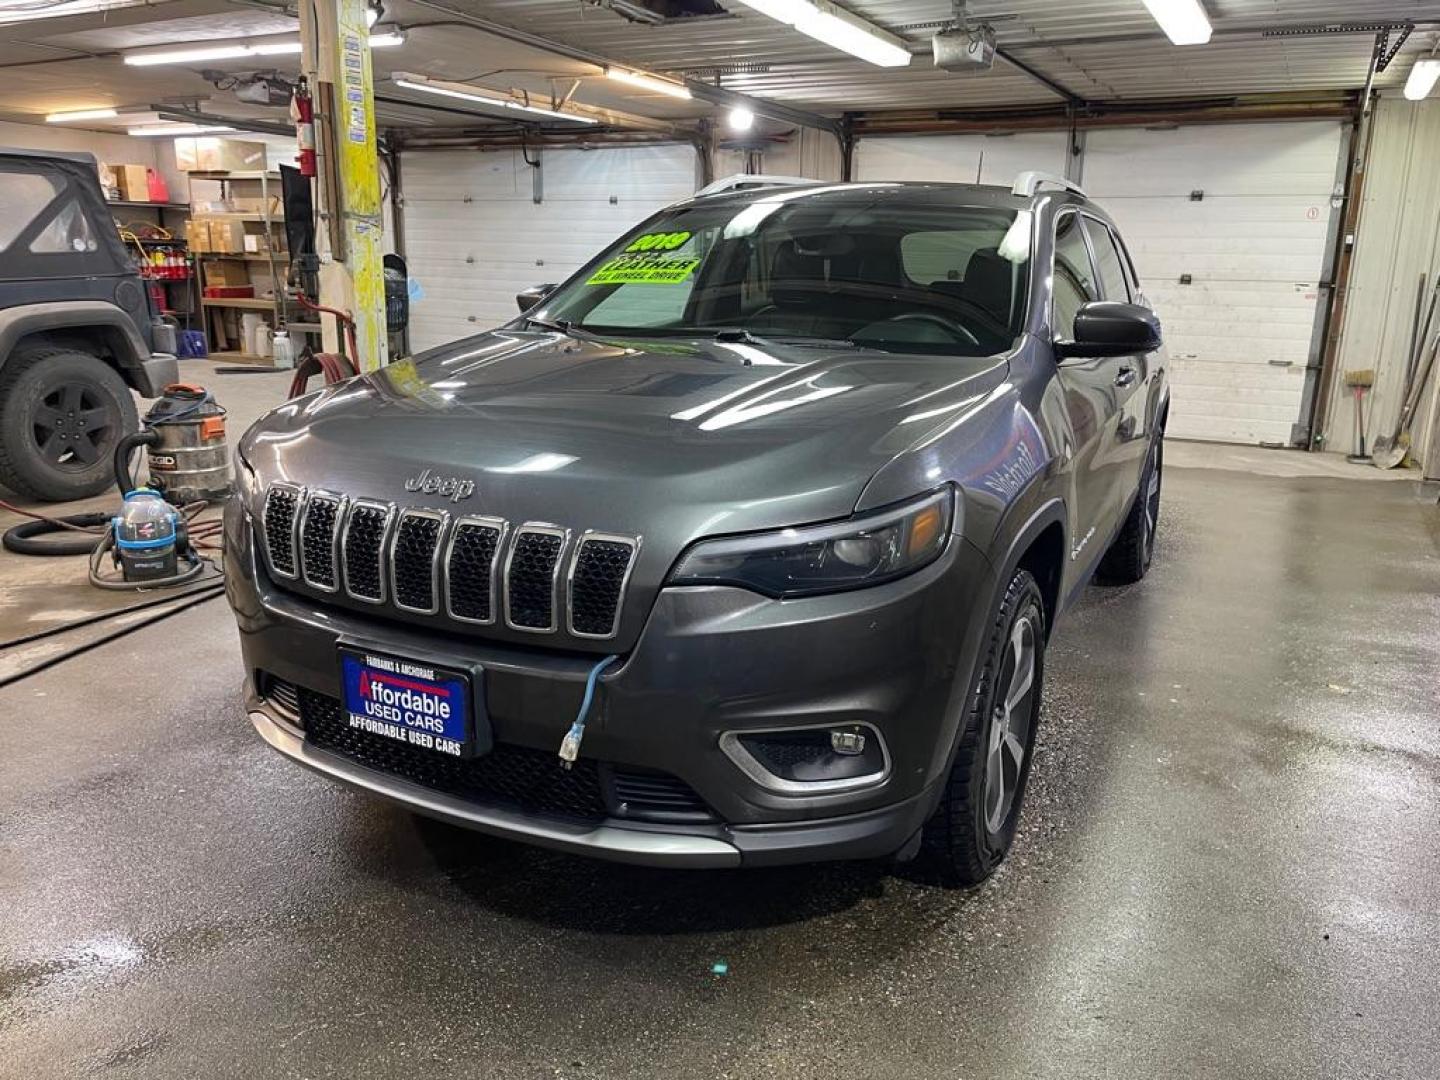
(716, 95)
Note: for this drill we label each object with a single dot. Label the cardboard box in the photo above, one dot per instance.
(223, 234)
(108, 184)
(206, 154)
(225, 272)
(197, 234)
(133, 182)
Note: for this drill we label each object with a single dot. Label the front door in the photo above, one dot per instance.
(1093, 388)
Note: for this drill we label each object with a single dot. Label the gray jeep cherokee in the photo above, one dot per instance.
(741, 547)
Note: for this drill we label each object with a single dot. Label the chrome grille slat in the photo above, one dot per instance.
(532, 574)
(362, 549)
(415, 560)
(319, 538)
(279, 518)
(599, 575)
(472, 558)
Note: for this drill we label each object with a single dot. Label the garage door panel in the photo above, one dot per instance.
(474, 235)
(959, 159)
(1254, 247)
(1233, 159)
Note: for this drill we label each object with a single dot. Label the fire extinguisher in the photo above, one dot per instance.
(302, 111)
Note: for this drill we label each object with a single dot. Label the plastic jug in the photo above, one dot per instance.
(282, 349)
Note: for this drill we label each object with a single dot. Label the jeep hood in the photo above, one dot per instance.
(670, 440)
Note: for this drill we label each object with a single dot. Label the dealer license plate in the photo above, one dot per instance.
(409, 701)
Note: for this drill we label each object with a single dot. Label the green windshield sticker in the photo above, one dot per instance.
(660, 241)
(644, 268)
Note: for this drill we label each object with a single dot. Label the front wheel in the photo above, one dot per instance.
(62, 413)
(974, 825)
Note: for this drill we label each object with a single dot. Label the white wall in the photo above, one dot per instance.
(960, 159)
(106, 147)
(805, 152)
(1397, 239)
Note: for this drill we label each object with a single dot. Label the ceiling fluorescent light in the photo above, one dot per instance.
(1184, 21)
(161, 131)
(648, 82)
(277, 48)
(280, 45)
(495, 99)
(187, 54)
(838, 28)
(81, 114)
(1422, 79)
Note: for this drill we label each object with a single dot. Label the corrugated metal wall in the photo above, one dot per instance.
(1397, 239)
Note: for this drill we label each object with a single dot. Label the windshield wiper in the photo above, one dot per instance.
(740, 334)
(566, 327)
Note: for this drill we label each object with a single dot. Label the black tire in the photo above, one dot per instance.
(973, 826)
(1130, 555)
(62, 412)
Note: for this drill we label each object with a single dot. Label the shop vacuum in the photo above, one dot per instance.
(148, 539)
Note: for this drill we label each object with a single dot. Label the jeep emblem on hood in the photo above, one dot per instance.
(452, 487)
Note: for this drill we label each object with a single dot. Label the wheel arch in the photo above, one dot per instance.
(78, 324)
(1038, 546)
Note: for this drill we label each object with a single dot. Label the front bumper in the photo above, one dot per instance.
(711, 661)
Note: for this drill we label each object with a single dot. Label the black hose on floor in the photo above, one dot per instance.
(21, 538)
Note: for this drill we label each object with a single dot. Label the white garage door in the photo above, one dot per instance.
(960, 159)
(474, 236)
(1239, 333)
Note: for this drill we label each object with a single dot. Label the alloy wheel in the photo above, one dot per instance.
(72, 426)
(1010, 725)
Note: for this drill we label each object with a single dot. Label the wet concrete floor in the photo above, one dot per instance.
(1229, 866)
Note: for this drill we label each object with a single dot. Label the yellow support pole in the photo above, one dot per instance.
(352, 278)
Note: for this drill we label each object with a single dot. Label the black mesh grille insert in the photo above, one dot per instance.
(317, 540)
(280, 506)
(472, 553)
(416, 537)
(364, 535)
(600, 568)
(531, 584)
(513, 776)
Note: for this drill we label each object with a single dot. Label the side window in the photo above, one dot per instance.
(23, 195)
(68, 231)
(1108, 261)
(1074, 278)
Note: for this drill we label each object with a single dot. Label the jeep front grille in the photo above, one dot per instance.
(319, 535)
(471, 569)
(413, 560)
(282, 506)
(598, 577)
(363, 547)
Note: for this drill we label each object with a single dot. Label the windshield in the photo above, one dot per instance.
(918, 278)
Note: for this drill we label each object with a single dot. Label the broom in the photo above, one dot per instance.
(1359, 381)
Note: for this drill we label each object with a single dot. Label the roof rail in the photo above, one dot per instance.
(745, 181)
(1027, 183)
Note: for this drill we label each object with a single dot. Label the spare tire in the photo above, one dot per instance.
(62, 412)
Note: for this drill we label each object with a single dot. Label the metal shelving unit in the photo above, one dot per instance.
(273, 258)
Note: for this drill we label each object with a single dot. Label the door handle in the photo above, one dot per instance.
(1126, 377)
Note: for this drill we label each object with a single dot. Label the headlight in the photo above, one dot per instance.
(849, 554)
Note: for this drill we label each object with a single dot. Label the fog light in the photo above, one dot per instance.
(810, 761)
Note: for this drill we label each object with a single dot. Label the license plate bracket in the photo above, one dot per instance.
(434, 707)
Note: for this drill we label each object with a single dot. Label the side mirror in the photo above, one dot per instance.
(533, 295)
(1111, 328)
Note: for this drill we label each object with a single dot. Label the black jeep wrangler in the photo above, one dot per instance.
(75, 329)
